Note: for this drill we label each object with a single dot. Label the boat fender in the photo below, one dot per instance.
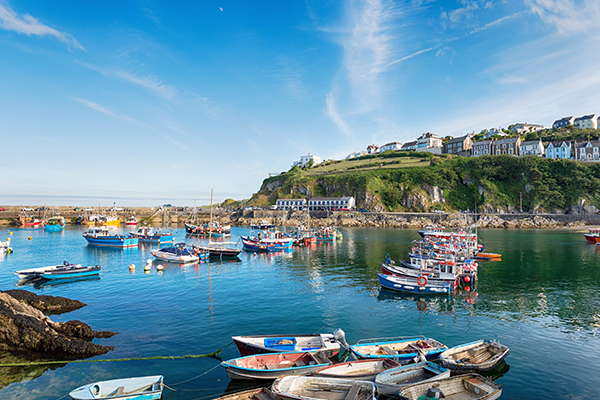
(131, 267)
(435, 393)
(422, 280)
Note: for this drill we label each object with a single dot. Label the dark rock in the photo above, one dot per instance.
(81, 330)
(46, 304)
(24, 328)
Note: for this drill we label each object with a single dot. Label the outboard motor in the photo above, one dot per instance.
(340, 337)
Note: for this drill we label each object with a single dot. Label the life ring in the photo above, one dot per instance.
(421, 305)
(422, 280)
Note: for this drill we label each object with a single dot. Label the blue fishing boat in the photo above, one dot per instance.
(55, 224)
(146, 234)
(142, 388)
(103, 236)
(266, 241)
(70, 271)
(420, 285)
(400, 348)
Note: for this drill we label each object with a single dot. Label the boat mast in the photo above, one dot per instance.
(210, 219)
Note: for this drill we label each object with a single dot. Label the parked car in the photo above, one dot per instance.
(26, 209)
(344, 209)
(3, 209)
(42, 209)
(363, 210)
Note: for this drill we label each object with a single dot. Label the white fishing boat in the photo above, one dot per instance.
(256, 344)
(313, 387)
(464, 387)
(478, 356)
(179, 253)
(36, 272)
(390, 382)
(362, 370)
(142, 388)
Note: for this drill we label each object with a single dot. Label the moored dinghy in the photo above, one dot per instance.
(256, 344)
(390, 382)
(478, 356)
(273, 365)
(398, 348)
(464, 387)
(362, 370)
(145, 387)
(252, 394)
(313, 387)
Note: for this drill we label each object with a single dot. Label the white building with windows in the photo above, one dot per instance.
(290, 204)
(525, 128)
(586, 122)
(331, 204)
(304, 160)
(356, 154)
(429, 142)
(532, 147)
(390, 146)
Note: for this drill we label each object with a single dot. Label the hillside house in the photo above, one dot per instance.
(459, 144)
(372, 149)
(587, 151)
(510, 146)
(356, 154)
(304, 160)
(561, 123)
(525, 128)
(558, 149)
(410, 145)
(429, 142)
(587, 122)
(390, 146)
(482, 147)
(532, 147)
(494, 132)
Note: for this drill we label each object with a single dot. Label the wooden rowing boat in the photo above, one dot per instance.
(478, 356)
(390, 382)
(463, 387)
(362, 370)
(257, 344)
(142, 388)
(398, 348)
(313, 387)
(273, 365)
(252, 394)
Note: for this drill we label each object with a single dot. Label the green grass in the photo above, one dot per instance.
(368, 164)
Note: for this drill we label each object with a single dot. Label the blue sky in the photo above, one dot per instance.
(145, 102)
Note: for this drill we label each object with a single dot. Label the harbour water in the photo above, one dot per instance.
(542, 300)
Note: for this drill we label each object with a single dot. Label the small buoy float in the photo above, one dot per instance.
(10, 233)
(467, 279)
(8, 239)
(30, 238)
(467, 288)
(131, 267)
(147, 267)
(160, 267)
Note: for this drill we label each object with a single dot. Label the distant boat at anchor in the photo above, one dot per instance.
(146, 234)
(103, 236)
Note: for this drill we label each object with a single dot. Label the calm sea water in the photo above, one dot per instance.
(542, 300)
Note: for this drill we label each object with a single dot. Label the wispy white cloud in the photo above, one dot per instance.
(511, 79)
(28, 25)
(149, 82)
(568, 16)
(497, 22)
(107, 111)
(332, 113)
(416, 53)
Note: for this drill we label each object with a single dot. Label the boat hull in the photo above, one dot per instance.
(312, 387)
(70, 272)
(362, 370)
(259, 344)
(478, 356)
(390, 382)
(411, 285)
(142, 388)
(470, 386)
(405, 349)
(53, 228)
(117, 241)
(271, 366)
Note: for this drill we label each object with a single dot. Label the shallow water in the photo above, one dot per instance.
(542, 300)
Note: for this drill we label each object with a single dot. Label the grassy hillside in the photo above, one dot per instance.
(410, 182)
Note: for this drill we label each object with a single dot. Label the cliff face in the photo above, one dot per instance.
(493, 184)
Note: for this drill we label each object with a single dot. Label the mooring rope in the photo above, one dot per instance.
(214, 354)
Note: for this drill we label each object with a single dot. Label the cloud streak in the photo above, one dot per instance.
(28, 25)
(151, 83)
(332, 113)
(567, 16)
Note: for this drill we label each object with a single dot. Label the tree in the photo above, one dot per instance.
(532, 136)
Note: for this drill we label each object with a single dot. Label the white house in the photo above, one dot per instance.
(290, 204)
(532, 147)
(356, 154)
(429, 142)
(329, 203)
(494, 132)
(587, 122)
(525, 128)
(372, 149)
(390, 146)
(410, 145)
(559, 149)
(304, 160)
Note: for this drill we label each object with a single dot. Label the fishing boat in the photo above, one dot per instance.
(390, 382)
(362, 370)
(179, 253)
(70, 271)
(432, 273)
(593, 235)
(54, 224)
(478, 356)
(273, 365)
(131, 221)
(35, 272)
(142, 388)
(313, 387)
(146, 234)
(266, 241)
(421, 285)
(251, 394)
(30, 222)
(467, 387)
(106, 237)
(490, 256)
(257, 344)
(263, 225)
(401, 348)
(218, 249)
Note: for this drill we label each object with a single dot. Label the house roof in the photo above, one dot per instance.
(458, 139)
(528, 142)
(408, 144)
(480, 142)
(330, 198)
(392, 143)
(507, 140)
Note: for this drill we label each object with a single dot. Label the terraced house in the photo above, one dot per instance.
(459, 144)
(482, 148)
(587, 122)
(510, 146)
(532, 147)
(559, 149)
(587, 151)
